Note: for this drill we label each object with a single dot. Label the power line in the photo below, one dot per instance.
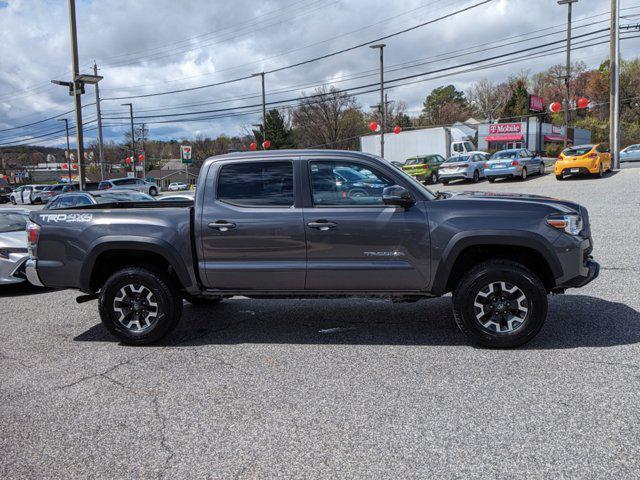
(315, 59)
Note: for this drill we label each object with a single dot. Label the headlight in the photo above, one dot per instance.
(571, 223)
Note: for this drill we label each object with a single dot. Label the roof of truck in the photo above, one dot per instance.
(290, 153)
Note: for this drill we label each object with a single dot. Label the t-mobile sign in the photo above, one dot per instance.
(536, 103)
(505, 128)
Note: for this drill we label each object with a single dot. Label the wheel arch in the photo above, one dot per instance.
(470, 248)
(110, 254)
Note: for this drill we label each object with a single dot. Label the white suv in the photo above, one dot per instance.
(176, 186)
(130, 184)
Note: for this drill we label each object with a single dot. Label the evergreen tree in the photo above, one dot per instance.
(277, 132)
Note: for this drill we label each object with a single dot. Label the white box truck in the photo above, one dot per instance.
(398, 147)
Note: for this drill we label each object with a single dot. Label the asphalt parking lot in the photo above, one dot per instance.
(336, 389)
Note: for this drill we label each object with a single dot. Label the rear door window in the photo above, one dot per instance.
(257, 184)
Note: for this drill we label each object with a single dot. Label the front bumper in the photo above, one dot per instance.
(31, 272)
(12, 269)
(592, 271)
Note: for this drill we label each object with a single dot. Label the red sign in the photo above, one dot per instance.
(505, 128)
(536, 103)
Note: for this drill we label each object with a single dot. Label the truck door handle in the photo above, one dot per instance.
(222, 225)
(322, 225)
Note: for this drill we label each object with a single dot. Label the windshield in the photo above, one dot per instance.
(577, 151)
(120, 196)
(12, 221)
(458, 158)
(505, 155)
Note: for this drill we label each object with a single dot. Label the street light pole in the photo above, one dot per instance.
(76, 92)
(66, 127)
(133, 144)
(100, 154)
(614, 84)
(264, 104)
(381, 46)
(567, 78)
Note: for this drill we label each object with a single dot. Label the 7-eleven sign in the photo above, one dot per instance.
(185, 154)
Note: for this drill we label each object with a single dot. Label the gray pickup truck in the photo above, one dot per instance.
(316, 223)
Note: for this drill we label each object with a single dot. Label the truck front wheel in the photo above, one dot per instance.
(500, 304)
(139, 306)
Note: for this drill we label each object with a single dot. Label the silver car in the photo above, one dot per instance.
(630, 154)
(462, 167)
(13, 245)
(130, 184)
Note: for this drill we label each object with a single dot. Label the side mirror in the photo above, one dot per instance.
(397, 196)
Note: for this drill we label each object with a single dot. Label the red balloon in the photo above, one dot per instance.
(127, 160)
(141, 157)
(253, 146)
(373, 126)
(74, 167)
(65, 166)
(397, 129)
(266, 144)
(555, 107)
(583, 102)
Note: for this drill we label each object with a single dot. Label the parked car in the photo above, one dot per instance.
(276, 223)
(424, 167)
(51, 191)
(630, 153)
(356, 184)
(514, 162)
(27, 194)
(583, 160)
(462, 167)
(5, 193)
(176, 186)
(13, 245)
(81, 199)
(130, 184)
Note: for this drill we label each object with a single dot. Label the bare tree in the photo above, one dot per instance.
(328, 119)
(488, 98)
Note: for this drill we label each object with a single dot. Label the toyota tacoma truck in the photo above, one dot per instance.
(284, 224)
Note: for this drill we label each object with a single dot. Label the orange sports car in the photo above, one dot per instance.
(583, 160)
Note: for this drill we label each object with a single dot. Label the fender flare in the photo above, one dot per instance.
(513, 238)
(136, 243)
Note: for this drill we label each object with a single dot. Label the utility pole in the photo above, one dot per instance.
(381, 46)
(614, 84)
(133, 139)
(264, 105)
(77, 92)
(66, 127)
(567, 78)
(144, 154)
(100, 154)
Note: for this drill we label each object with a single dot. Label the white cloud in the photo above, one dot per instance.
(142, 46)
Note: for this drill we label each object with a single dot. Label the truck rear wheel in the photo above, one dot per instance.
(500, 304)
(139, 306)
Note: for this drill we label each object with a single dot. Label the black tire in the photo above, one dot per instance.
(476, 177)
(523, 176)
(491, 179)
(560, 177)
(202, 301)
(445, 182)
(433, 178)
(471, 286)
(164, 294)
(153, 191)
(13, 201)
(541, 171)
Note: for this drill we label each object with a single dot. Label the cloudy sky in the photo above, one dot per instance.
(154, 46)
